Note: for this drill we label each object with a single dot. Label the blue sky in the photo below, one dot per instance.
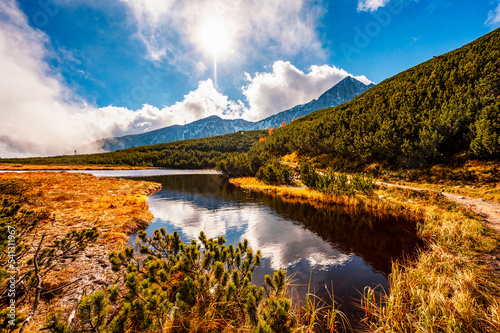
(79, 70)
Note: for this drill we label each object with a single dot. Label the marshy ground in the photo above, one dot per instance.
(117, 207)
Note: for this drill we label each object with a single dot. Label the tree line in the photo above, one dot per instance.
(187, 154)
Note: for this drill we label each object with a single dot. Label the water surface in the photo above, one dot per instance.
(320, 247)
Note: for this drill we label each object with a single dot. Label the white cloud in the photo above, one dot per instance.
(35, 115)
(286, 86)
(200, 103)
(280, 26)
(266, 93)
(38, 113)
(494, 17)
(371, 5)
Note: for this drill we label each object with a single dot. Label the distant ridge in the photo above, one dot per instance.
(340, 93)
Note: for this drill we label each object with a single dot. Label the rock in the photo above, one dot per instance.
(480, 199)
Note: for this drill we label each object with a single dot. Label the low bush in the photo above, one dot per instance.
(179, 287)
(336, 183)
(275, 173)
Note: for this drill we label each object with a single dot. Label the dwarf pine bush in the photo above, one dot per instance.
(202, 286)
(275, 173)
(336, 183)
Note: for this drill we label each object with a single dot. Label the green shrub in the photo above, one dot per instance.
(172, 285)
(308, 174)
(336, 183)
(275, 173)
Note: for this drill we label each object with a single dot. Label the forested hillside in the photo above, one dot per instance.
(443, 108)
(187, 154)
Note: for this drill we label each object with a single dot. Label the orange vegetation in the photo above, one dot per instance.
(117, 207)
(371, 204)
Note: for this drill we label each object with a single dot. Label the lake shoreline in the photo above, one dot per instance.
(41, 167)
(454, 237)
(456, 268)
(5, 167)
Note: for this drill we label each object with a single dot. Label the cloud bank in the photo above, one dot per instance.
(200, 103)
(286, 86)
(35, 114)
(41, 116)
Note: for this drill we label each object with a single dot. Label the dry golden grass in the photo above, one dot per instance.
(117, 207)
(477, 179)
(370, 204)
(490, 192)
(449, 287)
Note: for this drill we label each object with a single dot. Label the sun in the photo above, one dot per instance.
(214, 37)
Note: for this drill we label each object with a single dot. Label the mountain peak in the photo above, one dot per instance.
(336, 95)
(209, 118)
(348, 79)
(352, 80)
(213, 117)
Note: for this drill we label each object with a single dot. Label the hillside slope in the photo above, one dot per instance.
(340, 93)
(444, 107)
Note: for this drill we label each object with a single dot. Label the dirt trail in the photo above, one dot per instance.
(490, 211)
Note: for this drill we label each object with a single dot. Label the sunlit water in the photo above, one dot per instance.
(319, 248)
